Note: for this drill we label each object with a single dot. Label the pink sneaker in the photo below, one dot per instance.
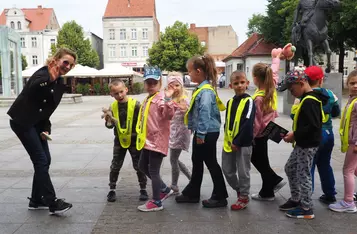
(150, 206)
(164, 196)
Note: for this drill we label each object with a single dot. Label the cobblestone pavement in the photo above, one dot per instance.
(81, 155)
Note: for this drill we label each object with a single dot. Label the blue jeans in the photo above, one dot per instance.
(322, 160)
(41, 159)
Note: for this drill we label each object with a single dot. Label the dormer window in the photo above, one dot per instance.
(18, 25)
(12, 25)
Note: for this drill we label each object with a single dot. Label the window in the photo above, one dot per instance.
(53, 41)
(111, 34)
(345, 71)
(346, 54)
(122, 34)
(34, 60)
(134, 51)
(112, 51)
(18, 25)
(34, 42)
(203, 43)
(23, 45)
(122, 51)
(247, 70)
(145, 51)
(133, 34)
(240, 67)
(145, 33)
(12, 25)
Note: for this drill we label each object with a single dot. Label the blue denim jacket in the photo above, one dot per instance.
(204, 116)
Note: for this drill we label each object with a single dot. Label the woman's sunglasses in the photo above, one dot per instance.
(66, 63)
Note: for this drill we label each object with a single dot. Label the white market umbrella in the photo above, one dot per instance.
(82, 71)
(30, 71)
(115, 70)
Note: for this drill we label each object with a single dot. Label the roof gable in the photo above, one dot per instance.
(130, 8)
(38, 18)
(255, 45)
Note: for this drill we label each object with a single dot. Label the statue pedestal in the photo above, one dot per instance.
(333, 83)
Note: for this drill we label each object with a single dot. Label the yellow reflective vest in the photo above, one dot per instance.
(261, 93)
(229, 135)
(345, 125)
(220, 104)
(124, 134)
(142, 122)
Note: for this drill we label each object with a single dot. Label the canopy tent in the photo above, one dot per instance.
(117, 70)
(82, 71)
(220, 64)
(30, 71)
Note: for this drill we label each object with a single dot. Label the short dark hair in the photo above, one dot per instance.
(116, 82)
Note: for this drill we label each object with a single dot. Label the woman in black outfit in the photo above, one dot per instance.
(30, 121)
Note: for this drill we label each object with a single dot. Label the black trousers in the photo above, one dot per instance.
(41, 160)
(260, 160)
(206, 153)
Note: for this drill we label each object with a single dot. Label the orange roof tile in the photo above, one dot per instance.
(254, 45)
(39, 17)
(130, 8)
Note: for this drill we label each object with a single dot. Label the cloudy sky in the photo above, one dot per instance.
(89, 13)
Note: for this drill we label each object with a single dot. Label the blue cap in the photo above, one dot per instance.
(152, 73)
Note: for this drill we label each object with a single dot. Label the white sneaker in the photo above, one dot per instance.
(150, 206)
(343, 207)
(259, 198)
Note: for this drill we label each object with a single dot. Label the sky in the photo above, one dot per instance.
(200, 12)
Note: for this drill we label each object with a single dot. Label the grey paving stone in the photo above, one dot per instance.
(84, 195)
(55, 228)
(15, 195)
(13, 213)
(9, 228)
(8, 182)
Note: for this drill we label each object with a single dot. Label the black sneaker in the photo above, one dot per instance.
(210, 203)
(289, 205)
(59, 206)
(355, 197)
(185, 199)
(37, 205)
(143, 195)
(111, 197)
(327, 200)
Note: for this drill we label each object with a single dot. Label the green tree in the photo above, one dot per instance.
(174, 48)
(255, 24)
(71, 36)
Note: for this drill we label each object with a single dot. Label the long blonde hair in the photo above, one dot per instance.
(183, 92)
(264, 75)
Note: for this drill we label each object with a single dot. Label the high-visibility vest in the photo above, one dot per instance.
(141, 129)
(261, 93)
(298, 109)
(345, 125)
(220, 104)
(124, 134)
(230, 134)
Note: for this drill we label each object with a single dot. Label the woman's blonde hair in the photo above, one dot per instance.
(183, 92)
(60, 53)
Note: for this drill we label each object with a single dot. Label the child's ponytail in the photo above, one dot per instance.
(207, 65)
(264, 74)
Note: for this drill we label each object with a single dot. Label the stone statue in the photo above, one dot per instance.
(310, 28)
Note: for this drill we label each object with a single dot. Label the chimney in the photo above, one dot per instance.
(192, 26)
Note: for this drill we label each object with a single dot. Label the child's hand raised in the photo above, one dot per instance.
(169, 91)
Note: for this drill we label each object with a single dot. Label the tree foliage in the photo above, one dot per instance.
(255, 24)
(175, 46)
(71, 36)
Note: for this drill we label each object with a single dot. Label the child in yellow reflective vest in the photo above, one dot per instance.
(238, 139)
(348, 133)
(204, 120)
(125, 111)
(307, 134)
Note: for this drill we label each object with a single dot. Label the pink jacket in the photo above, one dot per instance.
(352, 135)
(158, 124)
(261, 120)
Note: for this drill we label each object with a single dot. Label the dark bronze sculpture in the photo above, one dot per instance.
(310, 28)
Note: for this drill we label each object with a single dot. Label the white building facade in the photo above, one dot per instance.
(38, 28)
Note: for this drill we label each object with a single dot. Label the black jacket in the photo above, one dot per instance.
(309, 124)
(244, 137)
(37, 101)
